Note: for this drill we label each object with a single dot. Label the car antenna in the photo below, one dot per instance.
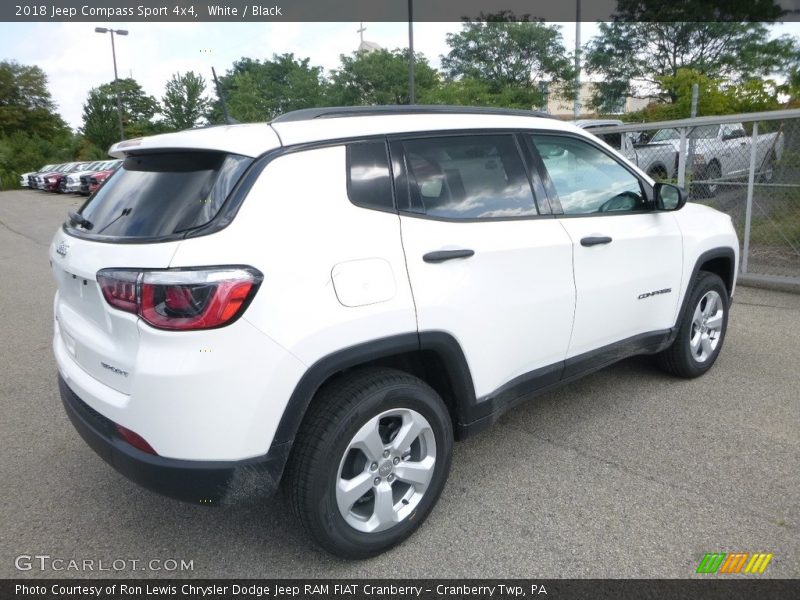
(228, 119)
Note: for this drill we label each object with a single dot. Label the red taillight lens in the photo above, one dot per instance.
(181, 299)
(119, 288)
(135, 440)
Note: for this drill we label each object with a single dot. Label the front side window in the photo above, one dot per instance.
(586, 179)
(469, 177)
(161, 194)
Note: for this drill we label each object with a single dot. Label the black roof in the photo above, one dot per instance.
(332, 112)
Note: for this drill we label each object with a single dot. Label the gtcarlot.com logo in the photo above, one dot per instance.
(734, 562)
(45, 562)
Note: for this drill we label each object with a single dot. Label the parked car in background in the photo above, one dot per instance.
(61, 178)
(24, 180)
(659, 161)
(72, 182)
(32, 181)
(49, 181)
(723, 152)
(96, 179)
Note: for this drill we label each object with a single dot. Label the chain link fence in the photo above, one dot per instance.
(745, 165)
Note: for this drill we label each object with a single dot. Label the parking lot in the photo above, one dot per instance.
(627, 473)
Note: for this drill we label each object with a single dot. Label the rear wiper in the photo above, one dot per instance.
(125, 213)
(76, 219)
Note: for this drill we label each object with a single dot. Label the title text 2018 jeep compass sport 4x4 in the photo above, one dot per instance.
(330, 299)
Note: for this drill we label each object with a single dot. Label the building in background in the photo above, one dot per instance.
(558, 106)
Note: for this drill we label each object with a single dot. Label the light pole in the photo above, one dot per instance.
(576, 109)
(412, 95)
(116, 79)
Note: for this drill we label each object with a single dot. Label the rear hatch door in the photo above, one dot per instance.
(135, 221)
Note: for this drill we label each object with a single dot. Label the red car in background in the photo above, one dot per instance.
(57, 181)
(47, 180)
(96, 179)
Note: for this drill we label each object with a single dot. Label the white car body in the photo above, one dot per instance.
(23, 179)
(74, 179)
(338, 277)
(726, 149)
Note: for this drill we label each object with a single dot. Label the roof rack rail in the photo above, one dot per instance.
(333, 112)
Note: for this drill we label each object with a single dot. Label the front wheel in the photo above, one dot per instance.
(370, 461)
(702, 330)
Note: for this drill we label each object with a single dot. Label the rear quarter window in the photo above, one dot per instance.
(369, 180)
(163, 194)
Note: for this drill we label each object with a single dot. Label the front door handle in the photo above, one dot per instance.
(443, 255)
(595, 240)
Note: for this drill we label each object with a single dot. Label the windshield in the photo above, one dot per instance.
(704, 132)
(663, 135)
(156, 195)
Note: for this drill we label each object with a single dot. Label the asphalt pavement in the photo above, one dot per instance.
(626, 473)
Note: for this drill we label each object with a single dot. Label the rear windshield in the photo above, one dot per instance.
(157, 195)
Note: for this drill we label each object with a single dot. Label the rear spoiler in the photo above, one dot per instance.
(118, 150)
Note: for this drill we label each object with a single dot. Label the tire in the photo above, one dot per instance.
(658, 173)
(358, 409)
(767, 169)
(702, 330)
(709, 190)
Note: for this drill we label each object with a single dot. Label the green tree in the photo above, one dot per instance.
(651, 41)
(259, 91)
(25, 101)
(183, 101)
(476, 92)
(715, 97)
(31, 131)
(507, 53)
(379, 77)
(100, 120)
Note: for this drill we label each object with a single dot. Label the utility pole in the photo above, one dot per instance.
(116, 78)
(412, 97)
(576, 108)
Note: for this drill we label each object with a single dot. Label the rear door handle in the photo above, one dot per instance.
(443, 255)
(595, 240)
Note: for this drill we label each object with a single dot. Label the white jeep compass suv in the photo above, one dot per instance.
(328, 300)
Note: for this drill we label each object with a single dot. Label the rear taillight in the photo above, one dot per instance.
(181, 299)
(119, 288)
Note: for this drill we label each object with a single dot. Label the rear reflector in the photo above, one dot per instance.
(135, 440)
(185, 299)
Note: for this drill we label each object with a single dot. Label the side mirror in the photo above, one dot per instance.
(668, 196)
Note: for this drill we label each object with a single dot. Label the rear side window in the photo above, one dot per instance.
(369, 181)
(469, 177)
(157, 195)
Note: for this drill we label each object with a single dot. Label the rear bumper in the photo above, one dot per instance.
(198, 482)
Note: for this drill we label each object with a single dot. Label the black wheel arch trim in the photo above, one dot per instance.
(720, 252)
(444, 345)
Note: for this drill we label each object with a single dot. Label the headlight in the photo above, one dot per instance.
(51, 180)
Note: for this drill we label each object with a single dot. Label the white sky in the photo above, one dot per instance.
(77, 59)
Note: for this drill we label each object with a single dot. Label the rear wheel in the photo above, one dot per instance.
(713, 173)
(370, 461)
(702, 330)
(767, 169)
(658, 173)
